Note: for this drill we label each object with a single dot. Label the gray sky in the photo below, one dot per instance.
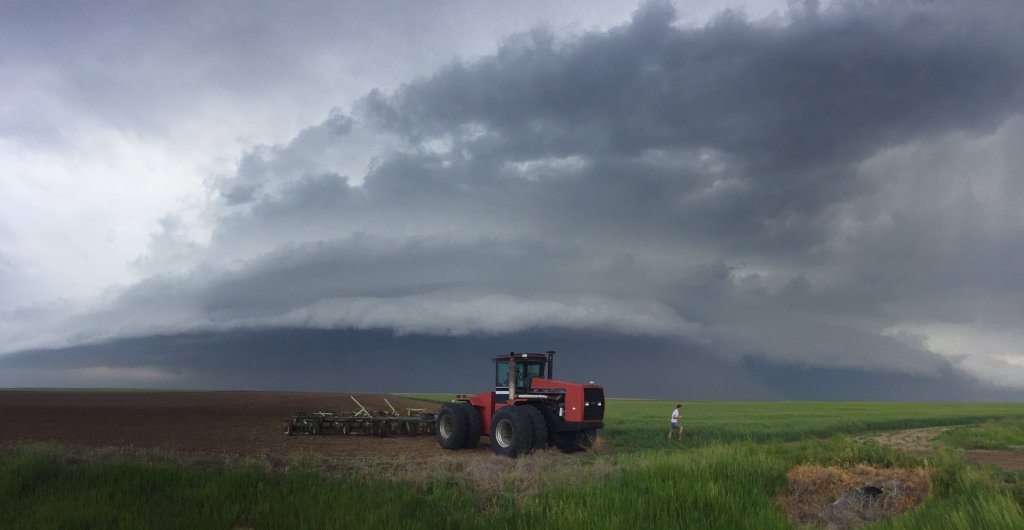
(762, 191)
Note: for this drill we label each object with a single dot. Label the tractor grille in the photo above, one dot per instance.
(593, 404)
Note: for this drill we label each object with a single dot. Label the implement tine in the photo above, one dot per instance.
(362, 409)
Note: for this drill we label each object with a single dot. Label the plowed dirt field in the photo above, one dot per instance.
(244, 423)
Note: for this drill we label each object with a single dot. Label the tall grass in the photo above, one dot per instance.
(967, 498)
(719, 486)
(42, 490)
(1003, 434)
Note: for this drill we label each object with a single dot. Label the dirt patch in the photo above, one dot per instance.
(242, 423)
(1005, 460)
(919, 442)
(843, 498)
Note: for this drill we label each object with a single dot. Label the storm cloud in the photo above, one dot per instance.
(833, 190)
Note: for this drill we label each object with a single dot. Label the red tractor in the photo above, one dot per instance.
(528, 410)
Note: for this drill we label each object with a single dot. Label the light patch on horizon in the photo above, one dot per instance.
(992, 354)
(137, 374)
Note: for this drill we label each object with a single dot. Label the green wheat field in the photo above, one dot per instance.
(728, 472)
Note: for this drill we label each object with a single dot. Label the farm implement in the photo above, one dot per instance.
(409, 422)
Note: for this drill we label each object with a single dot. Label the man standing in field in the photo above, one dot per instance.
(676, 426)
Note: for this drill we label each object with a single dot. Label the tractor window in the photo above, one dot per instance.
(502, 375)
(525, 372)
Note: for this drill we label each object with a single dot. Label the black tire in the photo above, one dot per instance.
(540, 428)
(451, 427)
(511, 432)
(575, 441)
(473, 424)
(290, 429)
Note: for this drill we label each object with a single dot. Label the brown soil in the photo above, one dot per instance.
(1007, 460)
(210, 428)
(242, 423)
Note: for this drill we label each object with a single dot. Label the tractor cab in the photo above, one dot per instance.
(524, 367)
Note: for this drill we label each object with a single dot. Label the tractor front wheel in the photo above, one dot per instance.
(511, 432)
(451, 427)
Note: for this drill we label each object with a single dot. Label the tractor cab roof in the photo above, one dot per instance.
(522, 356)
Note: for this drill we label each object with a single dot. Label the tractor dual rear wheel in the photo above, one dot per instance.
(540, 427)
(511, 432)
(473, 424)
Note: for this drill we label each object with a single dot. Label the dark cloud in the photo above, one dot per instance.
(736, 135)
(376, 361)
(767, 201)
(820, 91)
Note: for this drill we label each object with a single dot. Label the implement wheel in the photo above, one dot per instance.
(451, 426)
(511, 432)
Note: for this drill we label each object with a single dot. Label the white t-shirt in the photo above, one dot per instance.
(675, 416)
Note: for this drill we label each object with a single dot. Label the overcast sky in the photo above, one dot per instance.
(751, 200)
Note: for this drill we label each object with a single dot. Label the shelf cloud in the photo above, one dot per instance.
(829, 189)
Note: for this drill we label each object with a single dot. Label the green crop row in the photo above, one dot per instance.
(643, 424)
